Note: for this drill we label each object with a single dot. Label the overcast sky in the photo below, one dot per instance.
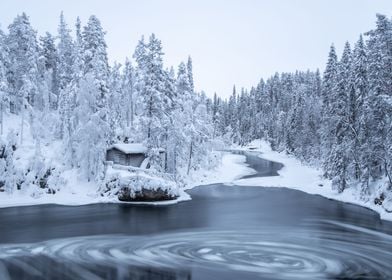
(230, 41)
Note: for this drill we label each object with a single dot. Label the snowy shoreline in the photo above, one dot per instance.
(293, 175)
(81, 193)
(296, 175)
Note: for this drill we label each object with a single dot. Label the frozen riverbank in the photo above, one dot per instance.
(78, 192)
(296, 175)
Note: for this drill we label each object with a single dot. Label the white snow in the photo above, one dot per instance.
(80, 192)
(74, 190)
(296, 175)
(131, 148)
(232, 167)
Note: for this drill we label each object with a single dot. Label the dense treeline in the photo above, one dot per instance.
(341, 121)
(63, 88)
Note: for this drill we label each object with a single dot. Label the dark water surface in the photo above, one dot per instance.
(224, 232)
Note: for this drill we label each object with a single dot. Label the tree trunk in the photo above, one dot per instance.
(132, 105)
(190, 157)
(165, 163)
(22, 125)
(150, 117)
(1, 118)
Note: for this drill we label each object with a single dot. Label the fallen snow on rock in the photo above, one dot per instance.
(134, 181)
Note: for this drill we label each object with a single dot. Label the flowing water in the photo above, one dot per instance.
(224, 232)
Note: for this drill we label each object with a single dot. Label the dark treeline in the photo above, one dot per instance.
(340, 120)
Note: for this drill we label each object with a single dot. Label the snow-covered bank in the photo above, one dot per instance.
(232, 167)
(64, 185)
(78, 192)
(296, 175)
(68, 198)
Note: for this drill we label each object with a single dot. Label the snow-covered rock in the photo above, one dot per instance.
(141, 185)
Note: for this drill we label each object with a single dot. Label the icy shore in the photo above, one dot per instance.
(296, 175)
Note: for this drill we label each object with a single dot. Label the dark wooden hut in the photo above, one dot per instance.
(133, 154)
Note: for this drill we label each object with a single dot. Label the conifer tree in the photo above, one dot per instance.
(23, 55)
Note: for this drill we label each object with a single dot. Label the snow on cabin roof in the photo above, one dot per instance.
(133, 148)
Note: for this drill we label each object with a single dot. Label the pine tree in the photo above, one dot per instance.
(95, 55)
(65, 78)
(115, 98)
(380, 79)
(189, 68)
(49, 73)
(357, 110)
(23, 55)
(328, 92)
(150, 85)
(129, 94)
(339, 109)
(65, 55)
(92, 131)
(4, 95)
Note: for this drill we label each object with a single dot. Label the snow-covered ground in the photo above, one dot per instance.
(73, 190)
(232, 167)
(77, 192)
(296, 175)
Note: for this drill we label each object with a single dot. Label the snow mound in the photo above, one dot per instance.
(140, 185)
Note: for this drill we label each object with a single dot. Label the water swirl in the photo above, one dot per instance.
(271, 253)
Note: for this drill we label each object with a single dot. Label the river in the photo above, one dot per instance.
(224, 232)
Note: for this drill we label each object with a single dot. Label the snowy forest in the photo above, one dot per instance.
(340, 121)
(62, 105)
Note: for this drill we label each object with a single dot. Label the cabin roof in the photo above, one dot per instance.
(133, 148)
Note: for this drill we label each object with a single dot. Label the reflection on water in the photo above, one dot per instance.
(262, 167)
(224, 232)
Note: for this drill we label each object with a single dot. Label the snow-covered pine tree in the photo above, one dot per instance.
(65, 77)
(150, 87)
(92, 131)
(329, 84)
(89, 141)
(4, 95)
(65, 57)
(337, 160)
(380, 90)
(129, 97)
(115, 101)
(50, 60)
(95, 54)
(23, 56)
(189, 67)
(358, 114)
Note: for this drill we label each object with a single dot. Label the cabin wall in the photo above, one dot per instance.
(118, 157)
(135, 159)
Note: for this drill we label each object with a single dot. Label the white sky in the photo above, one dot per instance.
(230, 41)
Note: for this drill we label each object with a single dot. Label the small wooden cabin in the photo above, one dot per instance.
(133, 154)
